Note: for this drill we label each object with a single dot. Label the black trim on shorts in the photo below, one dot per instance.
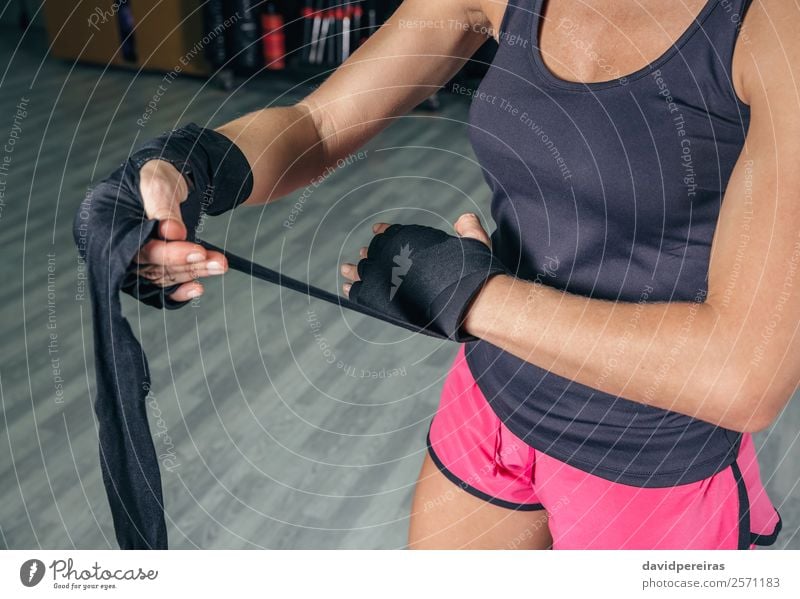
(744, 508)
(522, 507)
(766, 540)
(746, 536)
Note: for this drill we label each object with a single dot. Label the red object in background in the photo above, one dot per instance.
(274, 39)
(358, 12)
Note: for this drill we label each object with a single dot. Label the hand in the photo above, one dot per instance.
(467, 225)
(423, 277)
(172, 259)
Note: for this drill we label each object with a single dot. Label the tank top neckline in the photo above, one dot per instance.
(535, 55)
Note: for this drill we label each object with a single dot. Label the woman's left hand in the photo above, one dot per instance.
(424, 276)
(467, 225)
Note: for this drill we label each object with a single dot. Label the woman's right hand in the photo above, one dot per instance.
(171, 259)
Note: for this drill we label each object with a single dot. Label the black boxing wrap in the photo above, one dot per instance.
(109, 229)
(424, 276)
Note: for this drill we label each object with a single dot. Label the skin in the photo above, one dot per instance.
(444, 516)
(733, 360)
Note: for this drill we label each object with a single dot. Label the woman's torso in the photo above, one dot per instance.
(609, 190)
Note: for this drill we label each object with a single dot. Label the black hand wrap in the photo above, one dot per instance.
(424, 276)
(109, 229)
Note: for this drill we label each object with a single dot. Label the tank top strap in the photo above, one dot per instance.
(708, 54)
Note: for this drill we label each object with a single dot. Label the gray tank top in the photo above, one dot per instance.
(610, 190)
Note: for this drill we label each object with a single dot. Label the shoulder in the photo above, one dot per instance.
(767, 55)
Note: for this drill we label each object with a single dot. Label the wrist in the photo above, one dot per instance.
(210, 163)
(485, 309)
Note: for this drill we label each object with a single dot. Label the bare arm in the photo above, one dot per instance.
(414, 53)
(733, 360)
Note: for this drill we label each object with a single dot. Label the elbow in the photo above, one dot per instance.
(746, 407)
(756, 422)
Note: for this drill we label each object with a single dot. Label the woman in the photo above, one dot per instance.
(640, 328)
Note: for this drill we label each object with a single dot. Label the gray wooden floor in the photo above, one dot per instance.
(275, 446)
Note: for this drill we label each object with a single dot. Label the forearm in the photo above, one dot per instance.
(668, 355)
(283, 147)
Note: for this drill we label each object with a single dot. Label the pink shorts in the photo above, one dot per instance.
(475, 450)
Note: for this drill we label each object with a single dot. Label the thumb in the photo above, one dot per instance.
(468, 225)
(172, 229)
(163, 188)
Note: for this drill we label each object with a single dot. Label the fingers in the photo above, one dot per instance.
(169, 253)
(350, 271)
(169, 275)
(468, 225)
(187, 274)
(187, 291)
